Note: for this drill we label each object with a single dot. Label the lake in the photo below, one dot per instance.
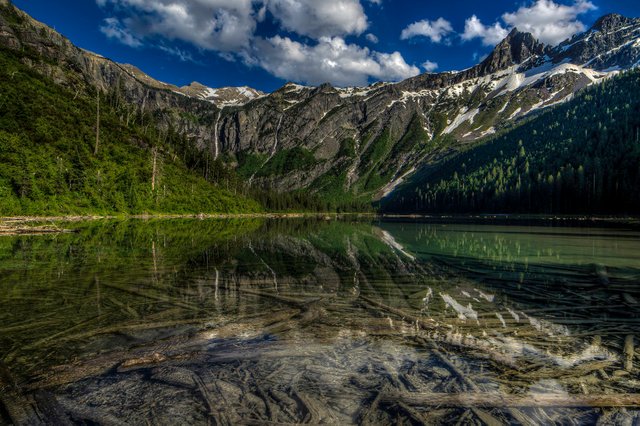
(320, 321)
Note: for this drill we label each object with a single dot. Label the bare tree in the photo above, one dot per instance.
(95, 150)
(155, 169)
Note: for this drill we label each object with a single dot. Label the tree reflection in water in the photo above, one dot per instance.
(320, 322)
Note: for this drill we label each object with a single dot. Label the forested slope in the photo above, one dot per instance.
(581, 157)
(50, 162)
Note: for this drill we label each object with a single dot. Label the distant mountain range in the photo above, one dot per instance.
(344, 143)
(222, 98)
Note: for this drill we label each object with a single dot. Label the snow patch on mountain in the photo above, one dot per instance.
(464, 116)
(223, 97)
(390, 187)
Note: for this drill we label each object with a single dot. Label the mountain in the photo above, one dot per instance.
(57, 158)
(223, 97)
(366, 140)
(611, 44)
(582, 157)
(342, 144)
(516, 49)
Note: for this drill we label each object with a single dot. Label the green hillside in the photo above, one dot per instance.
(49, 163)
(581, 157)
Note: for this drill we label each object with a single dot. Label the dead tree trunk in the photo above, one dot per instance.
(155, 169)
(95, 149)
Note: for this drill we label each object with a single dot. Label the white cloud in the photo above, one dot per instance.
(377, 2)
(183, 55)
(220, 25)
(430, 66)
(492, 35)
(113, 28)
(325, 18)
(434, 30)
(549, 22)
(372, 38)
(228, 28)
(330, 60)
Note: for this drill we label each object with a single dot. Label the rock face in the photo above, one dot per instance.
(54, 56)
(514, 50)
(612, 42)
(364, 141)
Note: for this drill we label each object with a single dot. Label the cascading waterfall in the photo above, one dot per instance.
(273, 150)
(216, 137)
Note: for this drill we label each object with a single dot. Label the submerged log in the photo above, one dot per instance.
(148, 295)
(41, 408)
(175, 349)
(496, 400)
(629, 353)
(295, 302)
(450, 366)
(51, 411)
(437, 351)
(426, 325)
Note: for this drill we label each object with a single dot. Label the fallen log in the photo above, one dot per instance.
(8, 230)
(148, 295)
(424, 324)
(178, 348)
(496, 400)
(41, 408)
(295, 302)
(629, 352)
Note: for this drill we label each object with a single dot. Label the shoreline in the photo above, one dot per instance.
(201, 216)
(510, 216)
(43, 225)
(425, 217)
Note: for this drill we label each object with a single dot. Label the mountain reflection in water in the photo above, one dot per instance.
(301, 321)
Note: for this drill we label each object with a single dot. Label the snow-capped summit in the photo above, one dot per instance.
(222, 97)
(612, 43)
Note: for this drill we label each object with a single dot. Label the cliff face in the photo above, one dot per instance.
(363, 141)
(54, 56)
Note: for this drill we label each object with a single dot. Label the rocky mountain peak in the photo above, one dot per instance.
(516, 48)
(196, 86)
(612, 42)
(611, 22)
(325, 88)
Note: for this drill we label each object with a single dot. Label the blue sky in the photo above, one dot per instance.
(265, 43)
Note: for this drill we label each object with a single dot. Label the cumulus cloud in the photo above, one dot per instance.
(228, 28)
(490, 35)
(549, 22)
(221, 25)
(430, 66)
(326, 18)
(330, 60)
(434, 30)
